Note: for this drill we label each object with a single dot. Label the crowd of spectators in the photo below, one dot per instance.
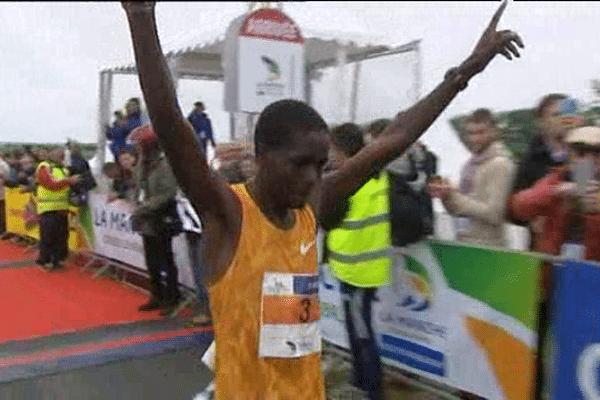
(552, 190)
(539, 191)
(22, 164)
(492, 190)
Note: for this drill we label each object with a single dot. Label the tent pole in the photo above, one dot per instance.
(231, 126)
(173, 64)
(354, 94)
(339, 93)
(418, 70)
(307, 84)
(105, 96)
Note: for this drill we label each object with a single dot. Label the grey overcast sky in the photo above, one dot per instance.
(51, 54)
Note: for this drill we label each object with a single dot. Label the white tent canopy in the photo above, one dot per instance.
(197, 55)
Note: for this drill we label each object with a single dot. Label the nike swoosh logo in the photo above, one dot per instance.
(305, 247)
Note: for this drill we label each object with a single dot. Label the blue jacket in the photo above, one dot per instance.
(118, 134)
(202, 127)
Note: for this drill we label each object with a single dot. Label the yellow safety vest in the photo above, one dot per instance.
(52, 200)
(359, 249)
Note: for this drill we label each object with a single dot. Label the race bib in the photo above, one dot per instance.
(289, 315)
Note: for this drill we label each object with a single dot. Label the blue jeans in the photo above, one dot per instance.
(195, 246)
(365, 354)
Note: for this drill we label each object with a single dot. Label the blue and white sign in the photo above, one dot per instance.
(575, 329)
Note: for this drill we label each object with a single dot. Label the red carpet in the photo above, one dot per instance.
(37, 303)
(11, 252)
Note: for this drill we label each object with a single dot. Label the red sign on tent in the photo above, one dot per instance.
(269, 23)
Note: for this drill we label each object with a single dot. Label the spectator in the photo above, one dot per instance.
(119, 118)
(359, 242)
(479, 203)
(14, 165)
(110, 172)
(125, 184)
(79, 166)
(40, 154)
(202, 125)
(4, 174)
(53, 182)
(26, 173)
(154, 218)
(554, 115)
(27, 149)
(570, 216)
(375, 128)
(411, 208)
(119, 132)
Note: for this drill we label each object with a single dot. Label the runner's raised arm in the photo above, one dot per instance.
(410, 124)
(210, 195)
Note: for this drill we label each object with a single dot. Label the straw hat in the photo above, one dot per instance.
(589, 135)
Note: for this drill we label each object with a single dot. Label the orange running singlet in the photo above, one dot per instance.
(265, 311)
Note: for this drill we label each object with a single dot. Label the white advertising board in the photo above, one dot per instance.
(271, 71)
(263, 60)
(115, 239)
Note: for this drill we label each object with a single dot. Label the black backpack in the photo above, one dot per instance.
(411, 207)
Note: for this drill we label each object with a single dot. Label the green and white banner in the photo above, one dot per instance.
(460, 315)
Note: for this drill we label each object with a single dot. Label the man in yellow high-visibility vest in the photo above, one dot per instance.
(52, 196)
(358, 247)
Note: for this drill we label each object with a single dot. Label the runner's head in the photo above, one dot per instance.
(291, 146)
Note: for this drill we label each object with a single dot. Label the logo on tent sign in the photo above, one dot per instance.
(269, 23)
(269, 63)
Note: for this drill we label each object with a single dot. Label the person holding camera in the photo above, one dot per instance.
(78, 165)
(479, 202)
(155, 218)
(568, 198)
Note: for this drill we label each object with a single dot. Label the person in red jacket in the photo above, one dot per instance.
(571, 216)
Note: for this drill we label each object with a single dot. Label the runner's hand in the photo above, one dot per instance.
(490, 43)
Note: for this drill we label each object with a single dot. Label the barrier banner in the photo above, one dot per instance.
(116, 240)
(21, 219)
(575, 331)
(459, 315)
(332, 324)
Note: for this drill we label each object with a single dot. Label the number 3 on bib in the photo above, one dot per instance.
(289, 315)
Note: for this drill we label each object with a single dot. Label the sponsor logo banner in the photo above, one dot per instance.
(575, 332)
(22, 219)
(460, 315)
